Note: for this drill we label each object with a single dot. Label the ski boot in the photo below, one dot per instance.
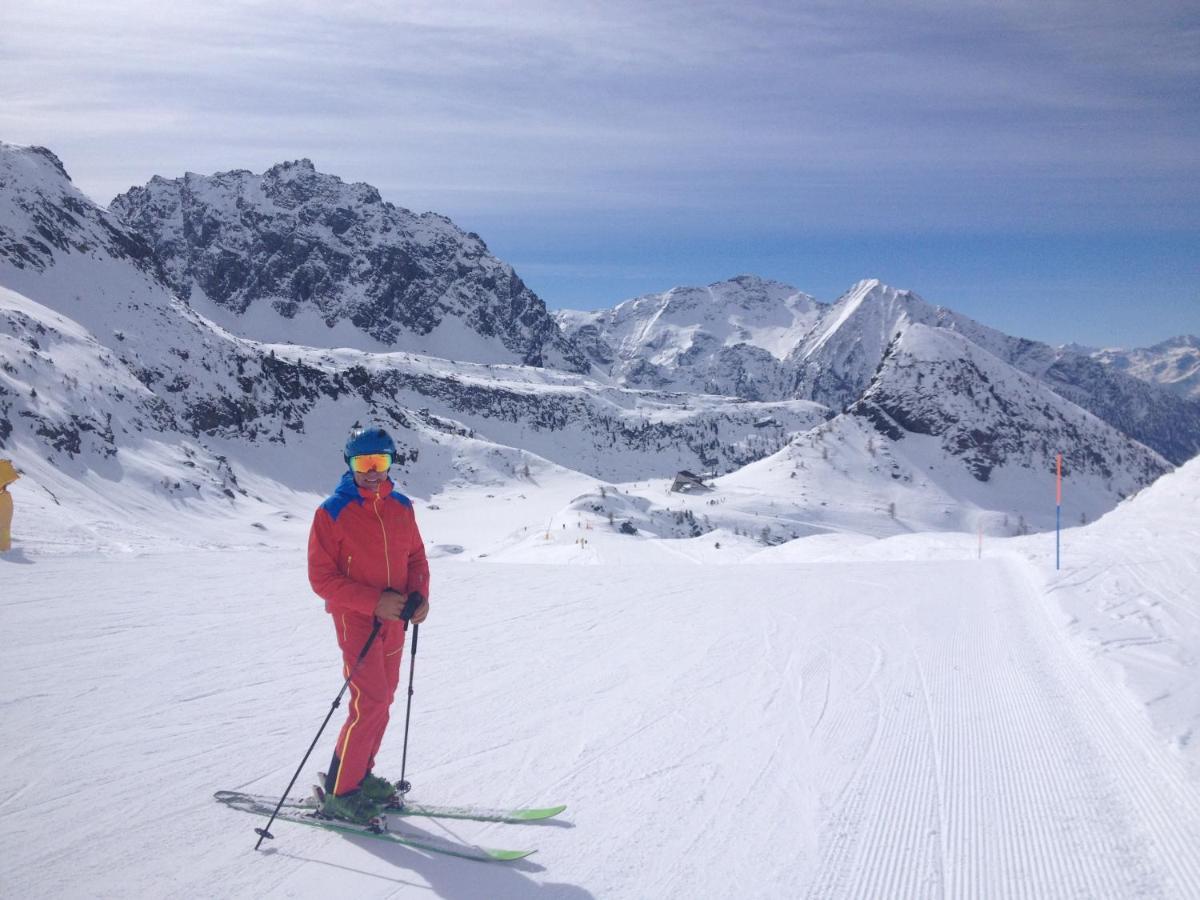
(385, 792)
(355, 807)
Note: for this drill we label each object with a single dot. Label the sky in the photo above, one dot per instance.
(1034, 165)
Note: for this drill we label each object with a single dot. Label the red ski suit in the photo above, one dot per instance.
(362, 543)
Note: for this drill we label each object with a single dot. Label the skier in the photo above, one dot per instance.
(365, 556)
(8, 474)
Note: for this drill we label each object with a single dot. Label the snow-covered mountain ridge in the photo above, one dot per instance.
(927, 400)
(936, 382)
(1174, 363)
(100, 358)
(38, 217)
(693, 339)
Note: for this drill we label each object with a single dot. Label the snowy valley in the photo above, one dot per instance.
(841, 662)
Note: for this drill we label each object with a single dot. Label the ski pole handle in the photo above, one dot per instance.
(411, 605)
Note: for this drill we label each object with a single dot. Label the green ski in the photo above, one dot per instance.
(304, 813)
(512, 815)
(477, 813)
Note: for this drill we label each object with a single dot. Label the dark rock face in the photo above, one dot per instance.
(986, 414)
(296, 239)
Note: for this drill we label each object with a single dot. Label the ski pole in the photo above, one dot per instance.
(410, 607)
(265, 831)
(404, 787)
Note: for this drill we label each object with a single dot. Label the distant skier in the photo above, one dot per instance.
(8, 474)
(365, 556)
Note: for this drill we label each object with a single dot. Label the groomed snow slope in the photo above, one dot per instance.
(1129, 591)
(915, 724)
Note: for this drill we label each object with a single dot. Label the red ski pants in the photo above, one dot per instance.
(372, 688)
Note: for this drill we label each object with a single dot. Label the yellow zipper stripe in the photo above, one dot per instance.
(383, 528)
(355, 716)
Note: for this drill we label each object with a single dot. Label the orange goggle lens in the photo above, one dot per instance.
(371, 462)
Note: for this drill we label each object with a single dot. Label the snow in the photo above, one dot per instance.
(1128, 594)
(837, 716)
(835, 673)
(848, 305)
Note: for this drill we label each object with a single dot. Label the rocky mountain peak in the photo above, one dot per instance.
(873, 294)
(751, 289)
(23, 168)
(299, 255)
(51, 158)
(29, 170)
(300, 167)
(292, 184)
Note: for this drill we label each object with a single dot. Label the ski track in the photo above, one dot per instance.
(941, 737)
(1003, 770)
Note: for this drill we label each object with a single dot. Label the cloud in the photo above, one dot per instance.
(830, 110)
(613, 148)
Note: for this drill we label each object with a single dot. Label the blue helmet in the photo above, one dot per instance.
(368, 440)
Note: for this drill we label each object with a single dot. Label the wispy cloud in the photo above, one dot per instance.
(682, 117)
(530, 91)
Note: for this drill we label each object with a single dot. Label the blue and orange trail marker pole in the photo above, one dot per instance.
(1058, 515)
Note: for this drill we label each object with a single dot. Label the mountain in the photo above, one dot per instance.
(937, 384)
(946, 436)
(110, 376)
(839, 358)
(722, 339)
(1173, 364)
(98, 354)
(295, 255)
(728, 338)
(106, 370)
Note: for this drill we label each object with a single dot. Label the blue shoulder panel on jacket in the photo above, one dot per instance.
(343, 495)
(400, 498)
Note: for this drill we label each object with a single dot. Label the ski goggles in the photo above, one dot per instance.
(371, 462)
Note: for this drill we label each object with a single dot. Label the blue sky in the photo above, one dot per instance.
(1035, 165)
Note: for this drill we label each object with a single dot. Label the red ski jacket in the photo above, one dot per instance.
(362, 543)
